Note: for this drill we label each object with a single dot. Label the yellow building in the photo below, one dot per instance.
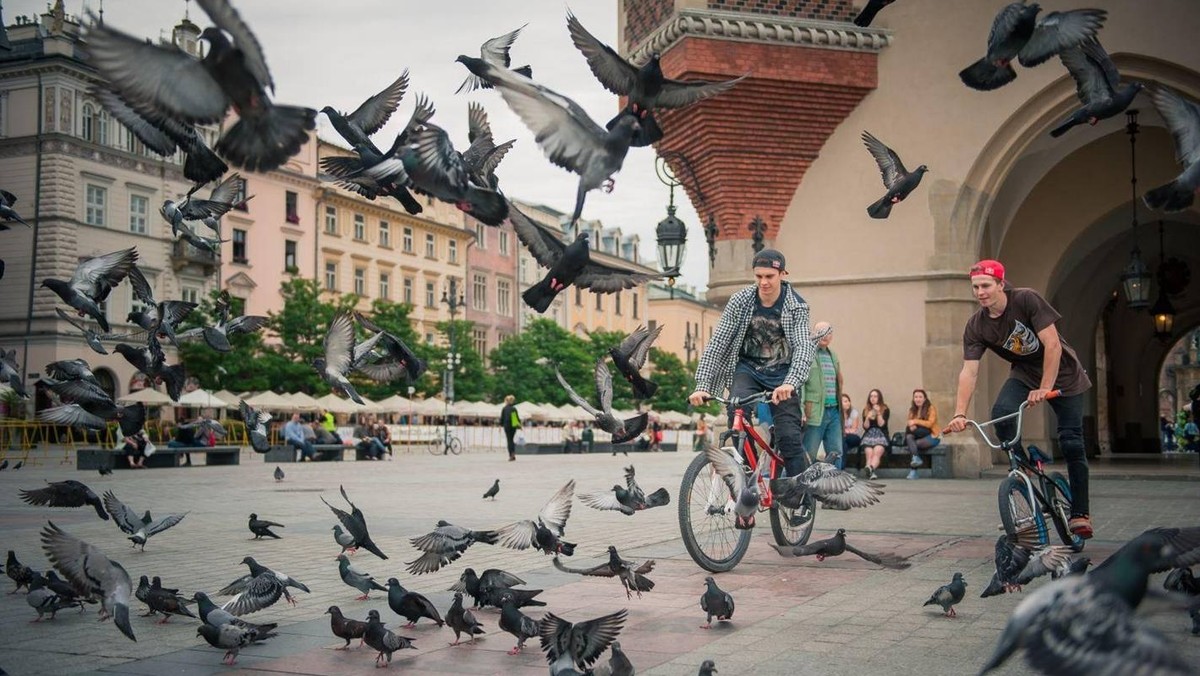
(624, 311)
(688, 320)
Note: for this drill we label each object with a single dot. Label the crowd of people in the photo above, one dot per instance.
(1180, 433)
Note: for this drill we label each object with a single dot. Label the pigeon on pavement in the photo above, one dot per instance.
(621, 430)
(342, 355)
(645, 88)
(67, 593)
(462, 621)
(44, 600)
(18, 572)
(898, 180)
(618, 664)
(715, 602)
(1018, 33)
(515, 622)
(1097, 85)
(69, 493)
(836, 546)
(445, 544)
(256, 426)
(356, 524)
(345, 628)
(166, 601)
(575, 646)
(279, 475)
(744, 494)
(214, 616)
(259, 588)
(493, 491)
(217, 336)
(828, 485)
(92, 281)
(140, 529)
(10, 373)
(360, 580)
(630, 356)
(90, 571)
(495, 51)
(228, 637)
(487, 588)
(949, 595)
(632, 576)
(411, 605)
(383, 640)
(1183, 119)
(545, 533)
(628, 500)
(262, 528)
(867, 15)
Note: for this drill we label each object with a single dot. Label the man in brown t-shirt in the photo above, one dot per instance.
(1018, 326)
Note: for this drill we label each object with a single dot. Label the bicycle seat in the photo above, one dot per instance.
(1036, 455)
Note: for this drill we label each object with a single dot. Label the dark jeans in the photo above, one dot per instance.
(920, 439)
(1069, 413)
(789, 431)
(372, 447)
(509, 433)
(306, 448)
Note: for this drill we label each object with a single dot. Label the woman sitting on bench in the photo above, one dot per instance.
(921, 432)
(135, 450)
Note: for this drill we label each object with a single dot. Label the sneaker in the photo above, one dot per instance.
(873, 476)
(916, 462)
(1081, 526)
(912, 474)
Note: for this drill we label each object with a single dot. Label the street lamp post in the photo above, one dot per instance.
(453, 299)
(671, 232)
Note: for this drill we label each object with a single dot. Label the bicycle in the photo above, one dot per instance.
(706, 518)
(445, 443)
(1018, 494)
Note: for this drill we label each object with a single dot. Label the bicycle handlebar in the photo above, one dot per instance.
(1018, 414)
(738, 402)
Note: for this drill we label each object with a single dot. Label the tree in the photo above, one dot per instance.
(471, 379)
(599, 343)
(239, 369)
(524, 364)
(394, 318)
(674, 380)
(301, 326)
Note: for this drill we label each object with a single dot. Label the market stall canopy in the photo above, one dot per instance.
(394, 404)
(202, 398)
(271, 401)
(148, 396)
(303, 401)
(335, 404)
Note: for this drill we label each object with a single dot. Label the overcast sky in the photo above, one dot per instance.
(338, 53)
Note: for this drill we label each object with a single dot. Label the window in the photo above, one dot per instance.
(331, 276)
(503, 243)
(360, 282)
(408, 290)
(651, 325)
(289, 205)
(599, 301)
(289, 255)
(102, 127)
(578, 297)
(89, 113)
(635, 304)
(430, 245)
(139, 207)
(430, 295)
(479, 341)
(479, 292)
(617, 303)
(523, 275)
(96, 198)
(504, 297)
(385, 234)
(239, 246)
(190, 294)
(331, 221)
(385, 285)
(407, 243)
(239, 197)
(480, 236)
(360, 227)
(453, 253)
(428, 337)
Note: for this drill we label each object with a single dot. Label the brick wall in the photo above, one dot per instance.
(643, 16)
(826, 10)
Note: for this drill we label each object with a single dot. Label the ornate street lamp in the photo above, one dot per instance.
(1135, 280)
(454, 300)
(671, 233)
(1162, 310)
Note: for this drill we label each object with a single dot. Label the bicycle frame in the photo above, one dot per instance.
(749, 441)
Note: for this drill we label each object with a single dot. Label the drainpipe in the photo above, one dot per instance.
(37, 222)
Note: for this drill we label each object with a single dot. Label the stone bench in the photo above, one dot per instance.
(597, 447)
(939, 462)
(324, 452)
(106, 458)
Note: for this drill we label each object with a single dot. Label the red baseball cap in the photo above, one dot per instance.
(988, 267)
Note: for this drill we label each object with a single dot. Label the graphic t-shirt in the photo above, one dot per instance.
(765, 352)
(1013, 336)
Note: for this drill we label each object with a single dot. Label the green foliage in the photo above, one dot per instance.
(674, 380)
(471, 380)
(394, 318)
(517, 371)
(239, 369)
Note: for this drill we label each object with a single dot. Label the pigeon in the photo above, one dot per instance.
(1021, 559)
(495, 51)
(214, 616)
(575, 646)
(628, 500)
(345, 628)
(715, 602)
(462, 621)
(1159, 549)
(43, 599)
(370, 116)
(621, 430)
(279, 476)
(1018, 33)
(219, 202)
(7, 213)
(259, 588)
(212, 245)
(618, 663)
(256, 426)
(445, 544)
(217, 337)
(94, 414)
(172, 83)
(66, 592)
(92, 281)
(356, 524)
(167, 602)
(83, 392)
(398, 359)
(487, 588)
(89, 336)
(867, 15)
(18, 572)
(898, 180)
(828, 485)
(410, 605)
(949, 595)
(142, 593)
(105, 471)
(383, 640)
(836, 546)
(19, 465)
(544, 534)
(435, 168)
(645, 88)
(630, 356)
(1075, 565)
(632, 577)
(707, 668)
(744, 494)
(151, 360)
(345, 540)
(90, 571)
(568, 264)
(493, 491)
(1183, 119)
(3, 465)
(568, 137)
(515, 622)
(10, 373)
(69, 493)
(356, 578)
(205, 427)
(71, 369)
(1097, 84)
(342, 355)
(229, 637)
(262, 528)
(163, 135)
(141, 528)
(1182, 580)
(483, 156)
(371, 172)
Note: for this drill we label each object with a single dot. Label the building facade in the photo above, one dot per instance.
(493, 293)
(623, 311)
(688, 320)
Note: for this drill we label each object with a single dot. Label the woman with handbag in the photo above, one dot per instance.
(921, 432)
(511, 422)
(875, 439)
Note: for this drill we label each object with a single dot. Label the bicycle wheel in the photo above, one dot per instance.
(1015, 511)
(704, 521)
(434, 446)
(1059, 494)
(792, 527)
(455, 445)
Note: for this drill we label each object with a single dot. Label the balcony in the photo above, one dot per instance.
(184, 254)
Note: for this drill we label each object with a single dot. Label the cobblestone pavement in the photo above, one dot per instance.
(840, 616)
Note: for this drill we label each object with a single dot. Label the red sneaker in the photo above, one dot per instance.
(1081, 526)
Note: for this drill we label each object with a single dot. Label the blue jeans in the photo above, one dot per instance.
(372, 447)
(1069, 413)
(305, 447)
(789, 431)
(829, 431)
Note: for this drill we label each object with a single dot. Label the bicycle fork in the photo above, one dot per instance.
(1035, 507)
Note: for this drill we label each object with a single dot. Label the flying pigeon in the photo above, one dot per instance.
(356, 524)
(214, 616)
(568, 137)
(575, 646)
(568, 264)
(3, 465)
(69, 493)
(344, 540)
(256, 426)
(167, 602)
(10, 373)
(544, 534)
(949, 595)
(1159, 549)
(92, 281)
(1020, 559)
(71, 369)
(1097, 84)
(836, 546)
(151, 360)
(493, 491)
(140, 528)
(160, 318)
(628, 500)
(744, 494)
(1018, 33)
(371, 172)
(515, 622)
(18, 572)
(462, 621)
(898, 180)
(217, 336)
(829, 485)
(867, 15)
(171, 83)
(262, 528)
(483, 156)
(1183, 119)
(345, 628)
(7, 213)
(495, 51)
(219, 202)
(228, 637)
(630, 356)
(435, 168)
(1183, 581)
(370, 116)
(715, 602)
(43, 599)
(397, 358)
(645, 88)
(383, 640)
(487, 588)
(632, 577)
(89, 336)
(621, 430)
(342, 355)
(279, 475)
(445, 544)
(410, 605)
(259, 588)
(91, 411)
(360, 580)
(90, 571)
(206, 426)
(1075, 565)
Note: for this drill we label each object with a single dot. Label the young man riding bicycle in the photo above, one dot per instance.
(1018, 325)
(762, 344)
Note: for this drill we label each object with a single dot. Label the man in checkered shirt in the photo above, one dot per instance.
(762, 343)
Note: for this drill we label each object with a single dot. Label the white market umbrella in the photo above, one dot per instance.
(393, 404)
(335, 404)
(303, 401)
(202, 398)
(148, 396)
(271, 401)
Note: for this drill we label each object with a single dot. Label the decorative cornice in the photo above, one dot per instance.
(762, 29)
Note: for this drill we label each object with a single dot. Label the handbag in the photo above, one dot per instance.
(898, 439)
(150, 449)
(519, 438)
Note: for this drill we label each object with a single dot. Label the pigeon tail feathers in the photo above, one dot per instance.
(264, 141)
(986, 76)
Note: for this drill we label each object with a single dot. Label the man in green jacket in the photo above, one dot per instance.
(822, 416)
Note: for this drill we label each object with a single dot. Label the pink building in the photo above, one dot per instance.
(492, 293)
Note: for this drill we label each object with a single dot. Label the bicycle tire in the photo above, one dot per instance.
(434, 446)
(455, 445)
(787, 535)
(1015, 511)
(1060, 511)
(734, 542)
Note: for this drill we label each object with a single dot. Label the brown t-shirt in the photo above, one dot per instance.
(1013, 336)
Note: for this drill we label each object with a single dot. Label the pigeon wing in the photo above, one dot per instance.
(260, 592)
(1090, 83)
(69, 555)
(225, 17)
(679, 94)
(602, 570)
(495, 51)
(164, 523)
(96, 277)
(375, 111)
(604, 385)
(246, 324)
(339, 345)
(615, 73)
(604, 500)
(633, 427)
(602, 278)
(518, 535)
(477, 122)
(636, 346)
(726, 467)
(574, 396)
(1183, 119)
(544, 245)
(72, 414)
(125, 518)
(145, 130)
(1057, 31)
(583, 642)
(890, 166)
(558, 508)
(885, 560)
